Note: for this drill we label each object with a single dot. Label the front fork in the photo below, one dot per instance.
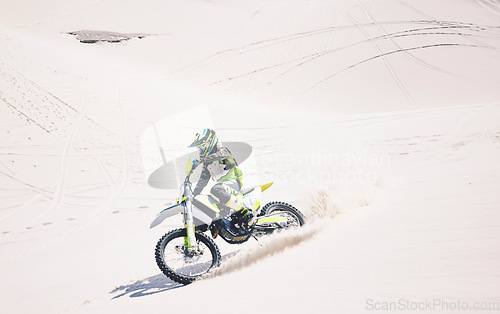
(190, 239)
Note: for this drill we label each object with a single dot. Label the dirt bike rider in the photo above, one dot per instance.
(219, 165)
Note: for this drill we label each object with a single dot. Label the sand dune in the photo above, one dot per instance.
(379, 118)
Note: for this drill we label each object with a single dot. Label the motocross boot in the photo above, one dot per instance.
(247, 219)
(244, 216)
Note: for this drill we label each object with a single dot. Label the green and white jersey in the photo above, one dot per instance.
(222, 166)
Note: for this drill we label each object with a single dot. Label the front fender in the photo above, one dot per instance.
(166, 213)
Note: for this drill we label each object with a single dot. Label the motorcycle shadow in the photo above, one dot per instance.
(148, 286)
(152, 285)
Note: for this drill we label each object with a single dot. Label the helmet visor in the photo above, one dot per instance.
(199, 139)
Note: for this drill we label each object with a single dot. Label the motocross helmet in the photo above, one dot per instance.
(206, 141)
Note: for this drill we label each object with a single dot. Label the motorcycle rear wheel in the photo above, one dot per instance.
(297, 219)
(181, 264)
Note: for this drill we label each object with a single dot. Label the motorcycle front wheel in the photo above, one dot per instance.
(182, 264)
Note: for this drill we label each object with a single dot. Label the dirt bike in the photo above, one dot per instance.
(186, 254)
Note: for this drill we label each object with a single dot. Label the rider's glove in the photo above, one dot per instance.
(196, 163)
(191, 165)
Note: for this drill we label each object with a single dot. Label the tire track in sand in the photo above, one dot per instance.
(109, 204)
